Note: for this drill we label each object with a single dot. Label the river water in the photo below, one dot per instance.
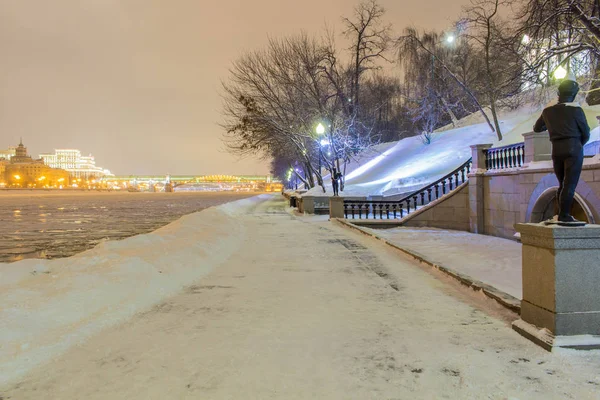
(58, 224)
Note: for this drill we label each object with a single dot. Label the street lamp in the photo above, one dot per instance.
(560, 72)
(320, 131)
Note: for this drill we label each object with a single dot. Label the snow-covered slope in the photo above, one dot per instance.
(407, 165)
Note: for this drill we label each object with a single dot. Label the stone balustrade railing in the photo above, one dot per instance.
(370, 209)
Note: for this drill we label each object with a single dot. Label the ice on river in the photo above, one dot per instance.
(58, 224)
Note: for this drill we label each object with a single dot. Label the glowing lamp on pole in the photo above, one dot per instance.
(320, 131)
(560, 72)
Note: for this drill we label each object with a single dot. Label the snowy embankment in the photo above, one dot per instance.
(47, 306)
(409, 164)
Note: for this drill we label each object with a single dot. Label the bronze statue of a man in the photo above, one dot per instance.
(569, 131)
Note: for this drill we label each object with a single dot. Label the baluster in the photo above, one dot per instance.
(443, 187)
(345, 210)
(487, 159)
(450, 183)
(456, 179)
(469, 167)
(381, 211)
(493, 159)
(401, 210)
(360, 211)
(437, 191)
(429, 194)
(522, 152)
(423, 198)
(462, 175)
(353, 205)
(407, 207)
(387, 211)
(415, 202)
(511, 156)
(504, 159)
(394, 209)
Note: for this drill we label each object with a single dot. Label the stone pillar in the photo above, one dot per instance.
(561, 277)
(476, 205)
(308, 204)
(336, 207)
(478, 155)
(537, 146)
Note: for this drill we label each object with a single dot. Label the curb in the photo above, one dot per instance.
(504, 299)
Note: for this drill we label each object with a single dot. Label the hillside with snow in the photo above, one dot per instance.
(407, 165)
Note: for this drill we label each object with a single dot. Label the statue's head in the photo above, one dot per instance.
(567, 90)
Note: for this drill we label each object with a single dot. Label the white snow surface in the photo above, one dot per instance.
(47, 306)
(409, 164)
(303, 309)
(488, 259)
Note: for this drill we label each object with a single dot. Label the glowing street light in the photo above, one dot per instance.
(560, 72)
(320, 129)
(450, 38)
(324, 142)
(17, 177)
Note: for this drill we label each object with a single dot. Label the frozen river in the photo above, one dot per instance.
(58, 224)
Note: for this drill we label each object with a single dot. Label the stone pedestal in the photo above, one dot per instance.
(537, 146)
(561, 281)
(308, 204)
(336, 207)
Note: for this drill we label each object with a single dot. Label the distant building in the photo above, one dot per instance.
(82, 168)
(8, 154)
(3, 162)
(23, 171)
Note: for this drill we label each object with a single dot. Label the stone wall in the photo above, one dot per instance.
(514, 196)
(502, 198)
(450, 212)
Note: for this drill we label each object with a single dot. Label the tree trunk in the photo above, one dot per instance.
(495, 117)
(449, 111)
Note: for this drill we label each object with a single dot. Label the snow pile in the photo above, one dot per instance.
(407, 165)
(47, 306)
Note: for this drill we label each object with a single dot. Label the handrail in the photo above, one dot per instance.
(402, 206)
(510, 156)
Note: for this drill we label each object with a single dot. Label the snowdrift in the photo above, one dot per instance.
(47, 306)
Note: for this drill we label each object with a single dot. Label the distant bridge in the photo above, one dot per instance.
(196, 182)
(178, 179)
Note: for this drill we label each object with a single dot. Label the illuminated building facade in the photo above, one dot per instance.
(23, 171)
(8, 154)
(81, 168)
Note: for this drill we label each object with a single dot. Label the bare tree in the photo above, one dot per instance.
(493, 37)
(370, 42)
(411, 45)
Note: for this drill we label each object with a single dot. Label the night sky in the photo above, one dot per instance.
(136, 82)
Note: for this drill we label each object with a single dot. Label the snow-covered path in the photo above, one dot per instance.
(310, 310)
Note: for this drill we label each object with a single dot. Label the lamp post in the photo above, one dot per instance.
(320, 131)
(560, 72)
